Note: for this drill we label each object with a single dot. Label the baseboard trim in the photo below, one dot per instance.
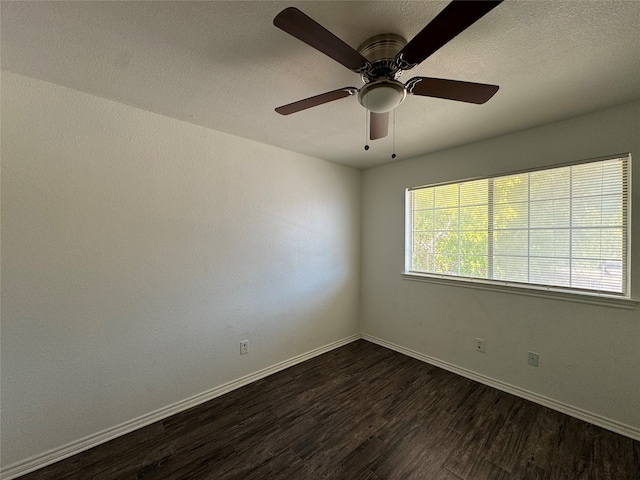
(55, 455)
(73, 448)
(614, 426)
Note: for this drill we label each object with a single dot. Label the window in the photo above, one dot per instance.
(564, 228)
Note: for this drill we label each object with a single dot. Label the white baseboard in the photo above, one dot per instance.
(39, 461)
(73, 448)
(614, 426)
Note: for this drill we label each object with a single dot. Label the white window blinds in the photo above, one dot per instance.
(565, 227)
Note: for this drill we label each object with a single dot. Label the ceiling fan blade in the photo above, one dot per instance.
(378, 125)
(455, 18)
(316, 100)
(451, 89)
(296, 23)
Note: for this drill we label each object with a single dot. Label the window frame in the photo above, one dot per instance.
(623, 299)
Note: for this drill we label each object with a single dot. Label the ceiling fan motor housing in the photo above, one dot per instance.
(381, 51)
(382, 92)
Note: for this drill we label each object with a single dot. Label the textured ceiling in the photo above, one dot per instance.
(223, 65)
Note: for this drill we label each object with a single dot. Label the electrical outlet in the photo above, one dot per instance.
(480, 345)
(533, 359)
(244, 347)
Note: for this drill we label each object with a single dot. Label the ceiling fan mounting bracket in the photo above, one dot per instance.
(402, 64)
(381, 51)
(410, 85)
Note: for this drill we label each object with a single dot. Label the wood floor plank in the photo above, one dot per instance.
(533, 472)
(284, 466)
(569, 458)
(487, 416)
(420, 454)
(616, 455)
(360, 412)
(546, 433)
(337, 441)
(512, 439)
(360, 459)
(363, 475)
(488, 471)
(200, 461)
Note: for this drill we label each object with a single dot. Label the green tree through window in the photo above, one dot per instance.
(562, 227)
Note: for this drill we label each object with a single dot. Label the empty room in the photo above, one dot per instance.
(368, 240)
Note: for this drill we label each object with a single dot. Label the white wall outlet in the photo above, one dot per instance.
(533, 359)
(244, 347)
(480, 345)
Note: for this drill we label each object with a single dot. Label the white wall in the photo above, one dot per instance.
(138, 251)
(589, 355)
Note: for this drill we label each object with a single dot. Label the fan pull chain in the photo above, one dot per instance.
(393, 135)
(366, 128)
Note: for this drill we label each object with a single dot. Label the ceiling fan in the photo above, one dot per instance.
(381, 59)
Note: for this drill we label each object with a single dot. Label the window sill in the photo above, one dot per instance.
(542, 292)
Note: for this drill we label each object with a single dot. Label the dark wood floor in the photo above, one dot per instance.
(361, 412)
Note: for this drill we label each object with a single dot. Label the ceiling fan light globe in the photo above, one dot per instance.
(382, 96)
